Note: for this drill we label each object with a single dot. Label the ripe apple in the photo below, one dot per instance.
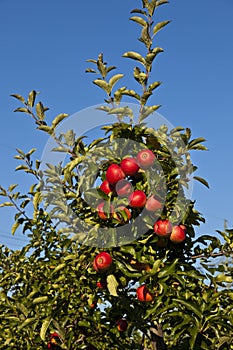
(122, 325)
(124, 188)
(54, 341)
(102, 212)
(114, 174)
(106, 187)
(137, 199)
(101, 284)
(153, 204)
(125, 211)
(163, 228)
(178, 234)
(102, 262)
(129, 166)
(143, 293)
(145, 159)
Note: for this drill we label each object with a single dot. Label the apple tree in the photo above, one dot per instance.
(112, 260)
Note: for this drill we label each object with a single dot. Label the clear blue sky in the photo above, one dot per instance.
(44, 46)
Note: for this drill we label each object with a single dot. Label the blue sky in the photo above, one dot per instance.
(45, 44)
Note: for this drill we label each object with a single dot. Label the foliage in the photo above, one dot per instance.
(50, 285)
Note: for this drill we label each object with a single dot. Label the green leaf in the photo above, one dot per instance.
(168, 270)
(131, 93)
(138, 11)
(40, 300)
(84, 323)
(139, 20)
(223, 278)
(112, 285)
(58, 119)
(27, 322)
(203, 181)
(135, 56)
(40, 110)
(161, 2)
(23, 110)
(154, 85)
(92, 61)
(195, 142)
(45, 128)
(6, 204)
(15, 226)
(31, 98)
(147, 111)
(125, 111)
(90, 70)
(145, 37)
(18, 97)
(115, 79)
(103, 85)
(59, 267)
(37, 200)
(12, 187)
(159, 26)
(151, 55)
(44, 328)
(189, 306)
(21, 167)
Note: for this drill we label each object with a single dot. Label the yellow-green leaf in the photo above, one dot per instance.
(112, 285)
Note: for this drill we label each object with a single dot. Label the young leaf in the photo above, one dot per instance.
(58, 119)
(115, 79)
(18, 97)
(154, 85)
(40, 110)
(139, 20)
(22, 110)
(103, 85)
(31, 98)
(159, 26)
(135, 56)
(138, 11)
(90, 70)
(131, 93)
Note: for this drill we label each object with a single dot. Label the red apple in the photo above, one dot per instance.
(120, 218)
(54, 341)
(102, 212)
(129, 166)
(124, 188)
(143, 293)
(101, 284)
(122, 325)
(106, 187)
(102, 262)
(153, 204)
(178, 234)
(145, 159)
(137, 199)
(163, 228)
(114, 174)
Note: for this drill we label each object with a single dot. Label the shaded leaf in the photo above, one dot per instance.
(203, 181)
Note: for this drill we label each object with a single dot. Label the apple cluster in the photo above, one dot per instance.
(118, 182)
(165, 230)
